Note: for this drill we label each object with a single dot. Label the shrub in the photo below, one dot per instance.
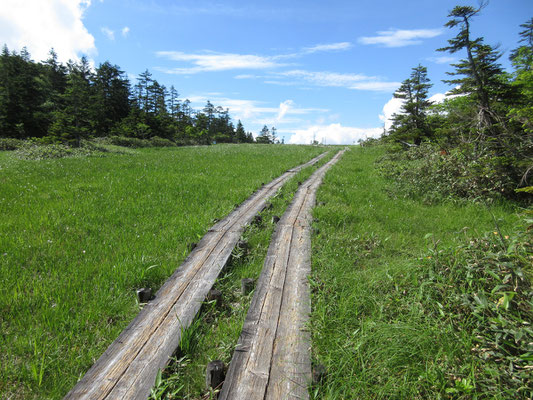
(35, 151)
(434, 174)
(483, 288)
(157, 141)
(10, 143)
(128, 141)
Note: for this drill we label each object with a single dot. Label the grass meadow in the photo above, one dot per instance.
(377, 330)
(79, 235)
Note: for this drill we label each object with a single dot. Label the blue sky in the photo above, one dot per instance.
(322, 69)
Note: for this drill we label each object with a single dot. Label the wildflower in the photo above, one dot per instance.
(495, 232)
(506, 236)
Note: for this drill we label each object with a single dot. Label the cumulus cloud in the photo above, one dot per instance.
(213, 61)
(108, 32)
(394, 105)
(400, 37)
(390, 108)
(333, 134)
(40, 25)
(125, 31)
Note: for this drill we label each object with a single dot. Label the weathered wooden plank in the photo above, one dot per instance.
(271, 360)
(127, 369)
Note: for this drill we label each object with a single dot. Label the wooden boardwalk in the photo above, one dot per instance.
(272, 359)
(128, 367)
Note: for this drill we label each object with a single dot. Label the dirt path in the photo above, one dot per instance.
(272, 360)
(128, 367)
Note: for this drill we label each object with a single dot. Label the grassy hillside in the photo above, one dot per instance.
(78, 236)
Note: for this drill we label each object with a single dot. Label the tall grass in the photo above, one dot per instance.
(78, 236)
(371, 322)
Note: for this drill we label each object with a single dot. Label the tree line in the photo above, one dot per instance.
(56, 102)
(487, 118)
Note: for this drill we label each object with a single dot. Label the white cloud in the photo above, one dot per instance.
(284, 108)
(442, 59)
(390, 108)
(125, 31)
(108, 32)
(327, 47)
(333, 134)
(400, 37)
(246, 76)
(350, 81)
(256, 112)
(207, 60)
(40, 25)
(393, 106)
(213, 61)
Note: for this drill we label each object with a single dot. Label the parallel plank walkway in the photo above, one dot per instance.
(128, 367)
(272, 360)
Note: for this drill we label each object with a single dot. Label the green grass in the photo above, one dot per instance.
(214, 334)
(78, 236)
(373, 325)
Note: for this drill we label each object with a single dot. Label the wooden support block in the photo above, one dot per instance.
(247, 285)
(216, 296)
(214, 374)
(242, 245)
(319, 374)
(144, 295)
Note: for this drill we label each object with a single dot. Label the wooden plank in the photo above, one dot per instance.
(128, 367)
(271, 360)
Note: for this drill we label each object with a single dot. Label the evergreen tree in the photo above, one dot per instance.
(410, 124)
(111, 98)
(482, 75)
(23, 93)
(73, 123)
(240, 133)
(264, 136)
(522, 59)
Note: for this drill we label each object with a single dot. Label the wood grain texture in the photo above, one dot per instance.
(128, 367)
(272, 357)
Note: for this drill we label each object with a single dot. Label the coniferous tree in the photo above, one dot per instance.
(111, 98)
(264, 136)
(522, 59)
(240, 133)
(73, 123)
(482, 76)
(411, 124)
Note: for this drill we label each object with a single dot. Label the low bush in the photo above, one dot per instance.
(37, 151)
(10, 143)
(483, 289)
(133, 142)
(434, 174)
(128, 141)
(157, 141)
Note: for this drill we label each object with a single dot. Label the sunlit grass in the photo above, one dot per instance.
(78, 236)
(370, 323)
